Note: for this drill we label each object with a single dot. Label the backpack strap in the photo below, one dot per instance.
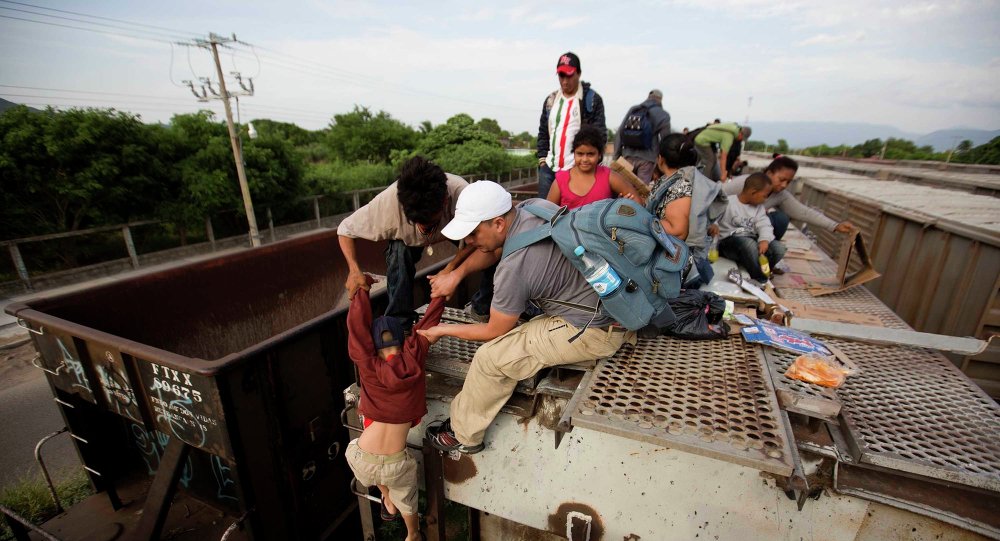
(523, 240)
(544, 231)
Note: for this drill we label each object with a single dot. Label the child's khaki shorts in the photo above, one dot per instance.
(397, 471)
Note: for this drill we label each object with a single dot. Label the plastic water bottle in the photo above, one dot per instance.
(598, 272)
(713, 250)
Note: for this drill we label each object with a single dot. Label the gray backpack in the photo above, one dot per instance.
(633, 242)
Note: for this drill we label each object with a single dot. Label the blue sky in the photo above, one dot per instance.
(916, 65)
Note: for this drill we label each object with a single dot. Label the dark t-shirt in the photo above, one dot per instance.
(541, 271)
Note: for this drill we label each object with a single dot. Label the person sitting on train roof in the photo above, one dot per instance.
(409, 213)
(686, 201)
(745, 231)
(539, 274)
(783, 206)
(588, 181)
(393, 399)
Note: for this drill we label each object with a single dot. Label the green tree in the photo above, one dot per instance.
(365, 136)
(292, 133)
(987, 153)
(965, 146)
(871, 147)
(204, 182)
(782, 146)
(461, 146)
(64, 171)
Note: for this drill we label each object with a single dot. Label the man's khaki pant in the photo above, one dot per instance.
(500, 363)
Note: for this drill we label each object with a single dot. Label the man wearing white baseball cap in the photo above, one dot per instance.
(485, 218)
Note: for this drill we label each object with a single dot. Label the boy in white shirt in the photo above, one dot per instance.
(745, 231)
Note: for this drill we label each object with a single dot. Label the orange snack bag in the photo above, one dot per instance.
(817, 370)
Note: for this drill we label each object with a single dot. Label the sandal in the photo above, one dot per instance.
(384, 511)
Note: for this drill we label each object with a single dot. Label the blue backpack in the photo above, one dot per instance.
(633, 242)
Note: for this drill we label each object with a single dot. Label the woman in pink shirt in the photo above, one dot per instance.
(588, 181)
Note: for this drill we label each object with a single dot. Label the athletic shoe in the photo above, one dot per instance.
(443, 439)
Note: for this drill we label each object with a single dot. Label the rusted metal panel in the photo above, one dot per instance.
(240, 357)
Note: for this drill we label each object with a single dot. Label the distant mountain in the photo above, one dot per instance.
(4, 105)
(943, 140)
(807, 134)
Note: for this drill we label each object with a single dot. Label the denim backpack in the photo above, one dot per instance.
(633, 242)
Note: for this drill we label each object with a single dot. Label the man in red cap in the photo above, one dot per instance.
(563, 112)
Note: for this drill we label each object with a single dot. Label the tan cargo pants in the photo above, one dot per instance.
(500, 363)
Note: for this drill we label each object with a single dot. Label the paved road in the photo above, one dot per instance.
(27, 414)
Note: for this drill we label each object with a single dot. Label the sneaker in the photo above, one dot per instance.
(476, 316)
(443, 439)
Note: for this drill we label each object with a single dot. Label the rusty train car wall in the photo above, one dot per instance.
(223, 376)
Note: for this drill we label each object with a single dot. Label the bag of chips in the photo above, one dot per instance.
(824, 371)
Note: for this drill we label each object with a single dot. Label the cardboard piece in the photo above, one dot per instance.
(829, 314)
(624, 168)
(853, 244)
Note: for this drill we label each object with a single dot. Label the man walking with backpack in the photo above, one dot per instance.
(540, 273)
(639, 135)
(563, 112)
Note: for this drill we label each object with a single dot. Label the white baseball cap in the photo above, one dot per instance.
(478, 202)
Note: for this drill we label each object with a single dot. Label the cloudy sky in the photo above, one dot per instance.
(913, 64)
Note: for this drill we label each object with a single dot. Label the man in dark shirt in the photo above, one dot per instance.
(643, 159)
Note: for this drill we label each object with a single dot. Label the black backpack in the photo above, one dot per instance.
(637, 130)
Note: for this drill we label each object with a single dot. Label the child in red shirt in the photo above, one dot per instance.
(393, 399)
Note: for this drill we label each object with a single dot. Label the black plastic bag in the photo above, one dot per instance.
(699, 316)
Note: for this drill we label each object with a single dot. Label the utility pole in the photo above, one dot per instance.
(212, 44)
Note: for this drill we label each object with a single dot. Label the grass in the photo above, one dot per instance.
(456, 517)
(30, 498)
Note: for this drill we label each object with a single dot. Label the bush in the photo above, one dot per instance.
(338, 177)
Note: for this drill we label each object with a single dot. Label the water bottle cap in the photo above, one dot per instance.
(579, 251)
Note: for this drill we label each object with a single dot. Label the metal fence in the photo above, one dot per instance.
(322, 211)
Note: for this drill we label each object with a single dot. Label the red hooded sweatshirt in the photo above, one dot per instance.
(392, 391)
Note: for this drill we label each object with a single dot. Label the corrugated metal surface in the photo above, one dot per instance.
(983, 180)
(938, 251)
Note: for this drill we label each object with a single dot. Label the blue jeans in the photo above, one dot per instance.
(779, 221)
(705, 273)
(744, 251)
(401, 267)
(546, 176)
(483, 298)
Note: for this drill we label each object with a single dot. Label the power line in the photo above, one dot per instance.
(94, 30)
(276, 108)
(116, 27)
(133, 23)
(291, 63)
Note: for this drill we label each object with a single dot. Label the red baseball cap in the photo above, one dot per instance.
(568, 63)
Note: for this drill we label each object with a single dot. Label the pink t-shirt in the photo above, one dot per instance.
(600, 190)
